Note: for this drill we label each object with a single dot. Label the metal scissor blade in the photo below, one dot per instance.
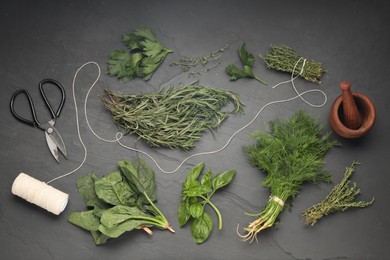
(56, 139)
(52, 146)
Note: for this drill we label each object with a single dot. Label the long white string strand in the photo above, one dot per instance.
(77, 120)
(119, 135)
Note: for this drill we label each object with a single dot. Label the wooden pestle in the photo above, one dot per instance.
(352, 118)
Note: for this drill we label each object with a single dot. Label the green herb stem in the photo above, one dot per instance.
(207, 200)
(163, 223)
(260, 80)
(340, 198)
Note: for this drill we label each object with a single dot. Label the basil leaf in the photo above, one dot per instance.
(206, 179)
(201, 227)
(112, 189)
(197, 191)
(183, 213)
(190, 184)
(223, 179)
(192, 200)
(196, 210)
(195, 172)
(85, 219)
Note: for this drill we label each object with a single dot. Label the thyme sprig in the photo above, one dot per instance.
(174, 118)
(284, 58)
(341, 198)
(190, 62)
(291, 154)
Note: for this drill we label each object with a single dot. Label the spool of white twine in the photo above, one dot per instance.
(39, 193)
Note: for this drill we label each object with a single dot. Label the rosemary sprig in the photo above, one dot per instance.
(339, 199)
(174, 118)
(283, 58)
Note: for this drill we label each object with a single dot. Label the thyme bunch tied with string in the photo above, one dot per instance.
(284, 58)
(341, 198)
(175, 117)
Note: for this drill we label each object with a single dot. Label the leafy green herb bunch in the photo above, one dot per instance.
(284, 58)
(119, 202)
(291, 154)
(342, 197)
(196, 194)
(144, 55)
(175, 117)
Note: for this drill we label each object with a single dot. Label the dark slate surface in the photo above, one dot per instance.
(53, 39)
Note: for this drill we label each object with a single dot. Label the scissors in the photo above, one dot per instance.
(53, 138)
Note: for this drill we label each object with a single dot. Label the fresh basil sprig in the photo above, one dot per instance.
(196, 194)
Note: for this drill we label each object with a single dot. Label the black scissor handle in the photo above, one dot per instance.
(61, 88)
(33, 122)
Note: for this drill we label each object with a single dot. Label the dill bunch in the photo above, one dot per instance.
(290, 154)
(174, 118)
(341, 198)
(283, 58)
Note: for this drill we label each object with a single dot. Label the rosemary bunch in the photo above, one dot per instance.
(291, 154)
(174, 118)
(340, 198)
(283, 58)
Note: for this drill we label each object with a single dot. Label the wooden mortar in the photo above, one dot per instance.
(352, 114)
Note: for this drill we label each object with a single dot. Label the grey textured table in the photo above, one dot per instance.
(41, 39)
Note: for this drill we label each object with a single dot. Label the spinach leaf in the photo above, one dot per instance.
(85, 219)
(119, 214)
(116, 231)
(86, 186)
(99, 237)
(201, 227)
(112, 189)
(117, 206)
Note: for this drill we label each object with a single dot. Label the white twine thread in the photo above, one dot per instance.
(119, 135)
(39, 193)
(277, 200)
